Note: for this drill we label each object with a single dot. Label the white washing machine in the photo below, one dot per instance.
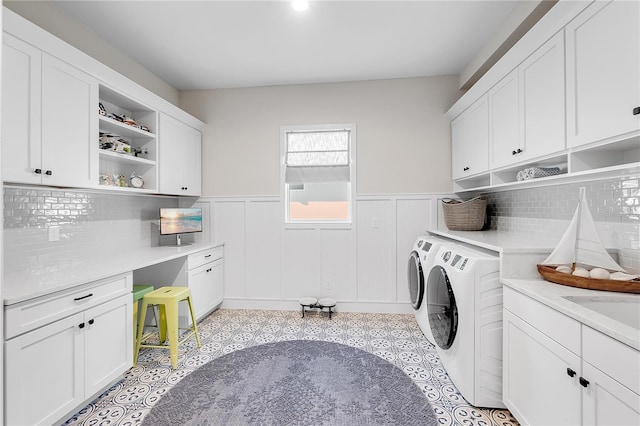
(420, 262)
(464, 306)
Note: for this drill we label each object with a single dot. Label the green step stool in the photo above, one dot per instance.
(139, 290)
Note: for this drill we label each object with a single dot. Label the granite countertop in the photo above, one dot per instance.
(553, 295)
(500, 241)
(50, 275)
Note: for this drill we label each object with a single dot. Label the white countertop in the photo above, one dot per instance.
(51, 275)
(502, 242)
(553, 295)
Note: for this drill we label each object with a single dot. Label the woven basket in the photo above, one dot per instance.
(464, 215)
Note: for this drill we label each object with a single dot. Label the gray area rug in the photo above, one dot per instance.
(299, 382)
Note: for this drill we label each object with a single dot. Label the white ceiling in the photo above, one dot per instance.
(195, 45)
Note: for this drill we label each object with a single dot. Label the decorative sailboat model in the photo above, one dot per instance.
(581, 260)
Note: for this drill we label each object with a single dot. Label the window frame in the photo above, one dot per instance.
(284, 187)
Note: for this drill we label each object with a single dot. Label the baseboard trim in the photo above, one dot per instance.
(341, 306)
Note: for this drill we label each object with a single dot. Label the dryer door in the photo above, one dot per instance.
(441, 307)
(415, 278)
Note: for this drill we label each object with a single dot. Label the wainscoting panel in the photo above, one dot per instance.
(229, 228)
(263, 250)
(301, 266)
(364, 268)
(376, 259)
(337, 264)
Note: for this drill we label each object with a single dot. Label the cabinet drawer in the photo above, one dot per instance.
(559, 327)
(204, 256)
(26, 316)
(612, 357)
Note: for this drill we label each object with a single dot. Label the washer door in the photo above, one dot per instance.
(441, 307)
(415, 278)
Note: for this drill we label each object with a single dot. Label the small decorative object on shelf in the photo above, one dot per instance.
(122, 118)
(537, 172)
(111, 142)
(140, 151)
(115, 180)
(135, 181)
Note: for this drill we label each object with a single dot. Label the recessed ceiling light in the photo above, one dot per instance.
(300, 5)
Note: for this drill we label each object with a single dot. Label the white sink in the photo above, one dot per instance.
(624, 310)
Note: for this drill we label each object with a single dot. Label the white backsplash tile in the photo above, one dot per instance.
(546, 212)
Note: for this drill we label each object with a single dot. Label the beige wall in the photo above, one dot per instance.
(403, 138)
(48, 16)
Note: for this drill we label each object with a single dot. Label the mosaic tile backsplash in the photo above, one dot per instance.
(544, 213)
(88, 222)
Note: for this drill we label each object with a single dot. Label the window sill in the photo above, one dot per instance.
(317, 225)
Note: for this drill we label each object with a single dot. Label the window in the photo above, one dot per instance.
(318, 173)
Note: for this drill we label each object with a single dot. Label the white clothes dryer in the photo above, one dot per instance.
(420, 262)
(464, 307)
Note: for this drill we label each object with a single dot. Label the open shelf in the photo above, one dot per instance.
(125, 158)
(607, 159)
(114, 164)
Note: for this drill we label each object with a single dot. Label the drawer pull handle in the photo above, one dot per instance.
(584, 382)
(570, 372)
(48, 173)
(209, 270)
(636, 111)
(207, 256)
(38, 171)
(83, 297)
(81, 325)
(464, 169)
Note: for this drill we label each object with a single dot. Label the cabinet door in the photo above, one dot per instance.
(537, 388)
(469, 141)
(504, 116)
(206, 284)
(217, 282)
(458, 149)
(198, 282)
(541, 79)
(108, 343)
(69, 125)
(180, 158)
(21, 82)
(43, 373)
(606, 402)
(603, 72)
(477, 136)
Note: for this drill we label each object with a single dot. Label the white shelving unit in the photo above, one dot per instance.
(115, 164)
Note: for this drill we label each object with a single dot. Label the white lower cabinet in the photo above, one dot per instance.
(536, 387)
(205, 278)
(56, 368)
(550, 377)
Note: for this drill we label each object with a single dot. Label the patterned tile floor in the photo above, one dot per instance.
(396, 338)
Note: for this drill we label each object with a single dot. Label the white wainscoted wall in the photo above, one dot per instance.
(364, 268)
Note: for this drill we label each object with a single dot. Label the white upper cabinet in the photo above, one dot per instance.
(504, 126)
(180, 153)
(603, 72)
(52, 124)
(69, 125)
(49, 134)
(541, 80)
(526, 108)
(470, 141)
(21, 106)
